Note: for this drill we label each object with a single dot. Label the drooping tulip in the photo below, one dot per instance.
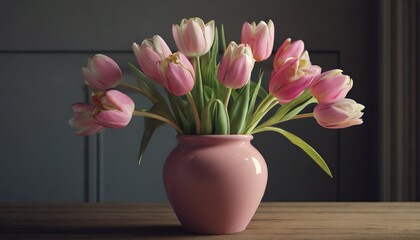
(113, 109)
(289, 81)
(331, 86)
(235, 66)
(192, 37)
(260, 38)
(83, 120)
(102, 72)
(340, 114)
(177, 74)
(290, 50)
(148, 53)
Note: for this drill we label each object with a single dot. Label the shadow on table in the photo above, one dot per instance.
(105, 232)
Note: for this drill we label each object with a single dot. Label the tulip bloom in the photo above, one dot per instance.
(289, 81)
(260, 38)
(83, 120)
(331, 86)
(193, 37)
(177, 74)
(341, 114)
(113, 109)
(102, 72)
(148, 53)
(290, 50)
(235, 66)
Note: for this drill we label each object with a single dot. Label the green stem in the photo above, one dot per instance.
(263, 127)
(139, 90)
(158, 117)
(305, 98)
(266, 105)
(195, 112)
(303, 115)
(226, 102)
(199, 83)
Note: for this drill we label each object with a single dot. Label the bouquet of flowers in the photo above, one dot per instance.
(211, 95)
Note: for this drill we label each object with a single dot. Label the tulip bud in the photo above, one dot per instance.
(341, 114)
(215, 118)
(289, 81)
(331, 86)
(177, 74)
(193, 37)
(260, 38)
(82, 119)
(290, 50)
(102, 72)
(236, 66)
(148, 53)
(113, 109)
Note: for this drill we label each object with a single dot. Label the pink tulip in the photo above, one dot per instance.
(290, 50)
(331, 86)
(193, 37)
(260, 38)
(113, 109)
(289, 81)
(235, 66)
(177, 74)
(149, 53)
(83, 120)
(102, 72)
(341, 114)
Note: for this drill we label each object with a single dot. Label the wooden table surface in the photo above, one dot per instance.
(157, 221)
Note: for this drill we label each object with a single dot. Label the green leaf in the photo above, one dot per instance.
(215, 47)
(255, 88)
(214, 118)
(222, 30)
(150, 125)
(287, 108)
(262, 93)
(144, 82)
(238, 111)
(180, 112)
(304, 146)
(208, 93)
(234, 94)
(295, 111)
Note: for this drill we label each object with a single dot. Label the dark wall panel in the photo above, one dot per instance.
(40, 157)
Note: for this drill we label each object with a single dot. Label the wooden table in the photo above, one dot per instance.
(157, 221)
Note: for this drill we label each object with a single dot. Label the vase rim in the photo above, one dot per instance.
(247, 137)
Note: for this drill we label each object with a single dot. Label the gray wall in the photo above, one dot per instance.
(43, 45)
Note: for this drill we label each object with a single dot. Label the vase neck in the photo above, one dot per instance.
(213, 139)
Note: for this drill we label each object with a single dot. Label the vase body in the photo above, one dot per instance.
(215, 183)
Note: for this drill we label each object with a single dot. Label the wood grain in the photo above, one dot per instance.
(157, 221)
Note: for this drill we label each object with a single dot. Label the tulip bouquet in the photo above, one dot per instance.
(208, 94)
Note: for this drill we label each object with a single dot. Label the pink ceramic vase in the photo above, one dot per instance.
(215, 182)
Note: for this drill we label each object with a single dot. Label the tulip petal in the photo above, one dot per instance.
(82, 119)
(247, 35)
(293, 90)
(102, 72)
(113, 118)
(209, 35)
(341, 114)
(120, 101)
(179, 81)
(194, 41)
(92, 80)
(177, 35)
(239, 73)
